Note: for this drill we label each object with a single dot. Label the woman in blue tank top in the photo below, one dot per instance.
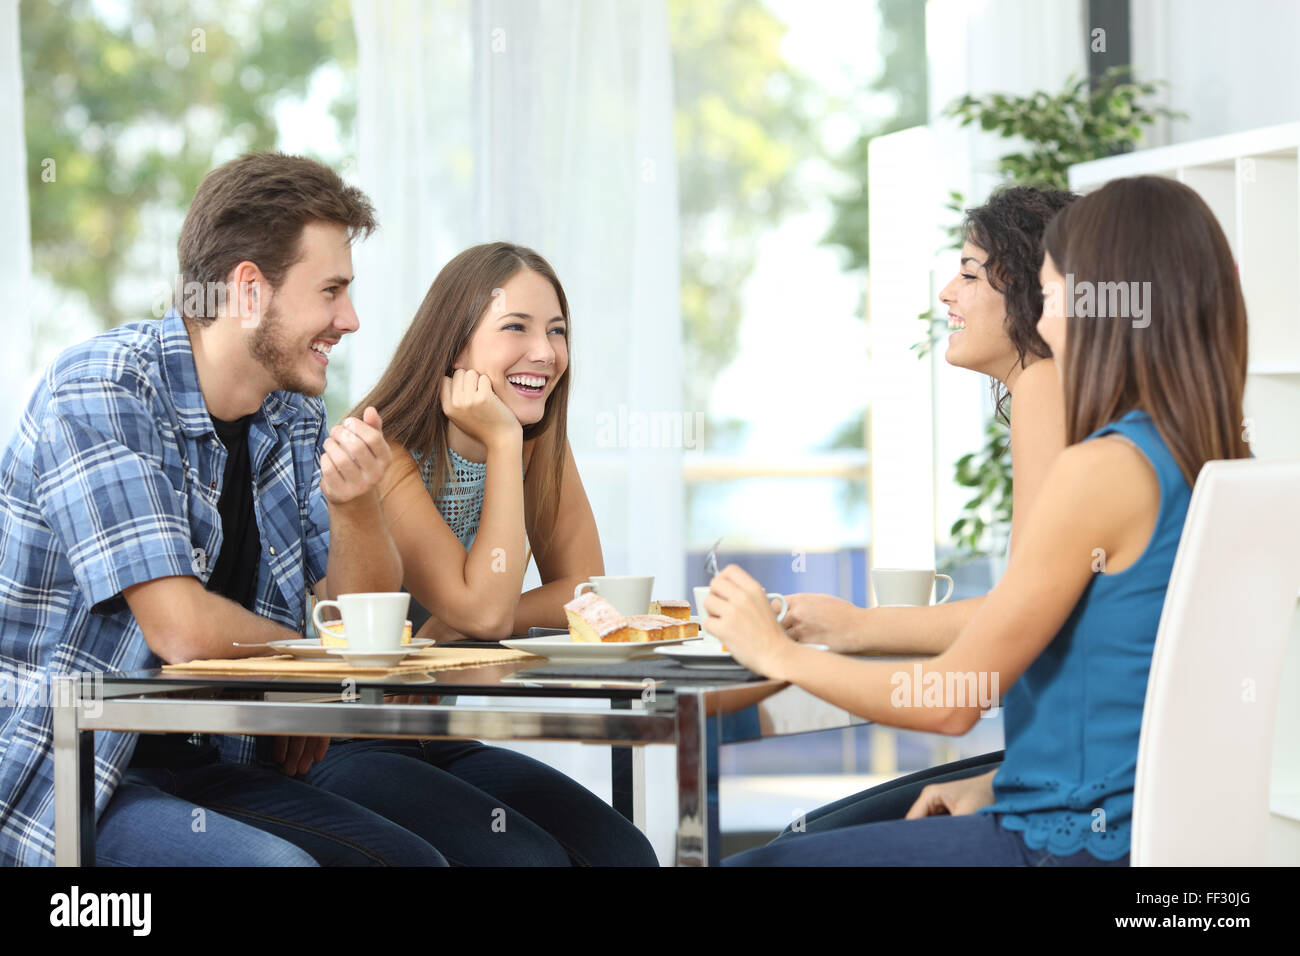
(994, 302)
(1144, 315)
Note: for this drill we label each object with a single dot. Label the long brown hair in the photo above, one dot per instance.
(408, 393)
(1184, 361)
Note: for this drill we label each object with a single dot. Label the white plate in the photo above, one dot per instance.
(372, 658)
(699, 653)
(561, 647)
(313, 649)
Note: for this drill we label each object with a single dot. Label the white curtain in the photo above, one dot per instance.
(15, 229)
(547, 123)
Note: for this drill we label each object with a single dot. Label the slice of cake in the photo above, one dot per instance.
(593, 620)
(679, 610)
(331, 635)
(659, 627)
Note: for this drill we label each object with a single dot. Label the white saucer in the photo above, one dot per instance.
(313, 649)
(701, 653)
(372, 658)
(561, 647)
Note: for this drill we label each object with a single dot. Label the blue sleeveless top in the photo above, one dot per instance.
(460, 500)
(1073, 718)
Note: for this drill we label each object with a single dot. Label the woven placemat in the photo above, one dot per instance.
(656, 669)
(431, 658)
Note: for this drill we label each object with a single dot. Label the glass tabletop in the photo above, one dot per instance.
(515, 678)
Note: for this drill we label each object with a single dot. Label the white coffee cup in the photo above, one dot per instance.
(371, 622)
(906, 587)
(629, 593)
(702, 592)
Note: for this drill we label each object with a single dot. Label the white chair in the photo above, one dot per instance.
(1202, 789)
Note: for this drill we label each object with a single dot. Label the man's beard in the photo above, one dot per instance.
(270, 348)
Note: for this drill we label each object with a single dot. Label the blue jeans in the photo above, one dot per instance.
(976, 839)
(480, 805)
(892, 799)
(869, 829)
(227, 815)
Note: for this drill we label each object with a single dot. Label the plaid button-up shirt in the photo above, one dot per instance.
(112, 479)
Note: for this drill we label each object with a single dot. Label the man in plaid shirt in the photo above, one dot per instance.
(172, 486)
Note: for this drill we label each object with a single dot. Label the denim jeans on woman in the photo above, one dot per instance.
(869, 829)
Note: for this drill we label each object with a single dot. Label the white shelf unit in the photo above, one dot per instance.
(1251, 181)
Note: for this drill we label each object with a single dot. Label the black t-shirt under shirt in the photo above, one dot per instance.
(235, 573)
(234, 577)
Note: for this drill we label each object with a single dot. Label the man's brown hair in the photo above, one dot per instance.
(254, 208)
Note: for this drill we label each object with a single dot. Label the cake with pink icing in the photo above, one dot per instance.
(660, 627)
(593, 620)
(675, 609)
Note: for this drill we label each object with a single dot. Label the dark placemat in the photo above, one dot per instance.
(656, 669)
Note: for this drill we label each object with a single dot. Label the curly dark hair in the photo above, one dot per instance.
(1009, 227)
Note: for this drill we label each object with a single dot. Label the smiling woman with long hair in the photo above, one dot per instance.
(1148, 400)
(473, 406)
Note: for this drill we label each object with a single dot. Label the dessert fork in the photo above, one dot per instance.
(711, 560)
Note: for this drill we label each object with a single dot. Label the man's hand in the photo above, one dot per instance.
(470, 401)
(354, 459)
(823, 619)
(295, 755)
(956, 797)
(740, 616)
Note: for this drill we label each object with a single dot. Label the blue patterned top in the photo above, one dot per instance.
(1074, 717)
(460, 501)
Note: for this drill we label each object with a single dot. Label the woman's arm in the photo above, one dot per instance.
(473, 593)
(1037, 437)
(843, 626)
(1102, 494)
(566, 557)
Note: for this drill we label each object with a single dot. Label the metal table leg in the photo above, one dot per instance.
(623, 788)
(74, 779)
(698, 836)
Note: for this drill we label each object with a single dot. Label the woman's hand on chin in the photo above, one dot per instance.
(740, 616)
(472, 404)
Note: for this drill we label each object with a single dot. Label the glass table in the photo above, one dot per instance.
(693, 715)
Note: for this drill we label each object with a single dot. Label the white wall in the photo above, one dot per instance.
(1230, 67)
